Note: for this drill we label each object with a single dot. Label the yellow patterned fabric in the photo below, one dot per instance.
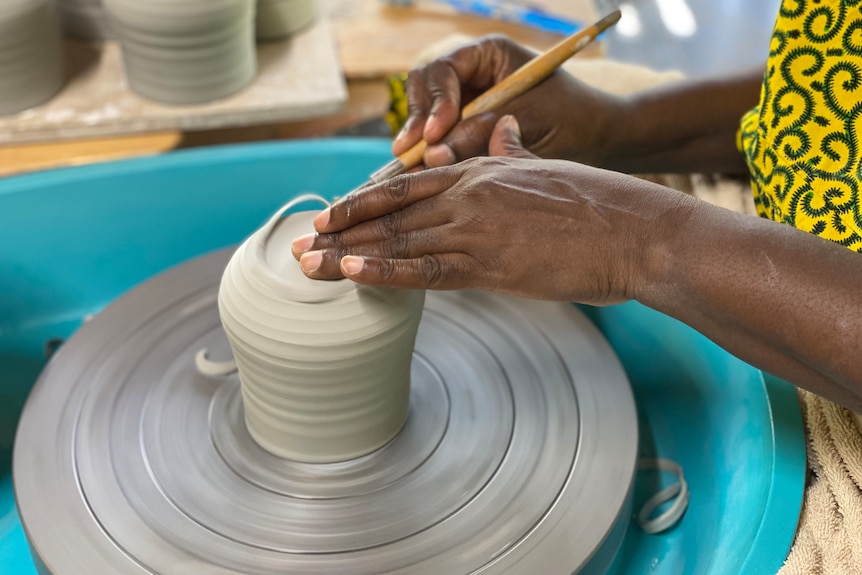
(802, 141)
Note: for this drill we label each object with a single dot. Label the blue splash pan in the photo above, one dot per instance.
(72, 240)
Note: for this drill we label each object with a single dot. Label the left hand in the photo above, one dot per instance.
(511, 223)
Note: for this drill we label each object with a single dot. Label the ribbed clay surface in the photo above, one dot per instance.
(324, 366)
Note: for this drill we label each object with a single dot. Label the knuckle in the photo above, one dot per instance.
(414, 78)
(497, 40)
(396, 248)
(480, 171)
(472, 164)
(463, 53)
(388, 225)
(397, 190)
(440, 96)
(386, 270)
(431, 270)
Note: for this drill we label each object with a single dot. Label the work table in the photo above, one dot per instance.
(372, 41)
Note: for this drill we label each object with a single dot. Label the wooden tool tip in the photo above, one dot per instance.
(609, 20)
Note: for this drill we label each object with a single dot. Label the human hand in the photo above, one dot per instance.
(510, 223)
(561, 117)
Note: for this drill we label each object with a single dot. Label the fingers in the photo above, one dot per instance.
(385, 198)
(437, 92)
(443, 86)
(419, 216)
(433, 105)
(418, 108)
(439, 271)
(506, 140)
(325, 263)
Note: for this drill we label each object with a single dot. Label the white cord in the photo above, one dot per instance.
(674, 513)
(213, 368)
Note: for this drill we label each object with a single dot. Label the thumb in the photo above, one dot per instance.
(506, 140)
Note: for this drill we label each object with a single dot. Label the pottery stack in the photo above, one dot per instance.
(324, 366)
(186, 51)
(31, 68)
(278, 19)
(84, 19)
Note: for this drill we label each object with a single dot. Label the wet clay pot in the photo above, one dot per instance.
(31, 63)
(324, 366)
(279, 19)
(186, 51)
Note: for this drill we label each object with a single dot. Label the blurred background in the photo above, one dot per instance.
(697, 37)
(328, 76)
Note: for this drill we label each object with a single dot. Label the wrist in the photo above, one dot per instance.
(661, 245)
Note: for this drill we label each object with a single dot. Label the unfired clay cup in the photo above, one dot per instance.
(186, 51)
(279, 19)
(324, 366)
(31, 62)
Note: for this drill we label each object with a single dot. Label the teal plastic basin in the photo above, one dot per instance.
(72, 240)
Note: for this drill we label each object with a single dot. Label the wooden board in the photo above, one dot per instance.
(297, 79)
(376, 39)
(366, 100)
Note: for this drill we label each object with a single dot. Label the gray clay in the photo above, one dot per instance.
(31, 64)
(324, 366)
(186, 51)
(278, 19)
(517, 457)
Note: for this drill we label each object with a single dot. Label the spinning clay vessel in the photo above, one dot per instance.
(31, 69)
(324, 366)
(186, 51)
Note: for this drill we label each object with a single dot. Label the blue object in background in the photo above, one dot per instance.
(73, 240)
(514, 11)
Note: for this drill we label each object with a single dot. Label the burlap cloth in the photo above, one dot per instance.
(829, 535)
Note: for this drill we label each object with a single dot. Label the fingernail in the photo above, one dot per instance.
(440, 155)
(303, 243)
(310, 261)
(322, 219)
(352, 265)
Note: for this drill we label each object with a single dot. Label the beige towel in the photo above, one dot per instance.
(829, 536)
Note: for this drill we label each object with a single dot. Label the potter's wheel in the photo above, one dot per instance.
(517, 456)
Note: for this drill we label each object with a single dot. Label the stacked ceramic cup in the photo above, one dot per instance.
(324, 366)
(277, 19)
(84, 19)
(31, 67)
(186, 51)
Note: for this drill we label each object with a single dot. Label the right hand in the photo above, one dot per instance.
(560, 118)
(509, 223)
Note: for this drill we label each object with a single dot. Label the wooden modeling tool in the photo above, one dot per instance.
(521, 80)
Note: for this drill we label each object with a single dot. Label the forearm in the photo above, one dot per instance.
(687, 127)
(779, 298)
